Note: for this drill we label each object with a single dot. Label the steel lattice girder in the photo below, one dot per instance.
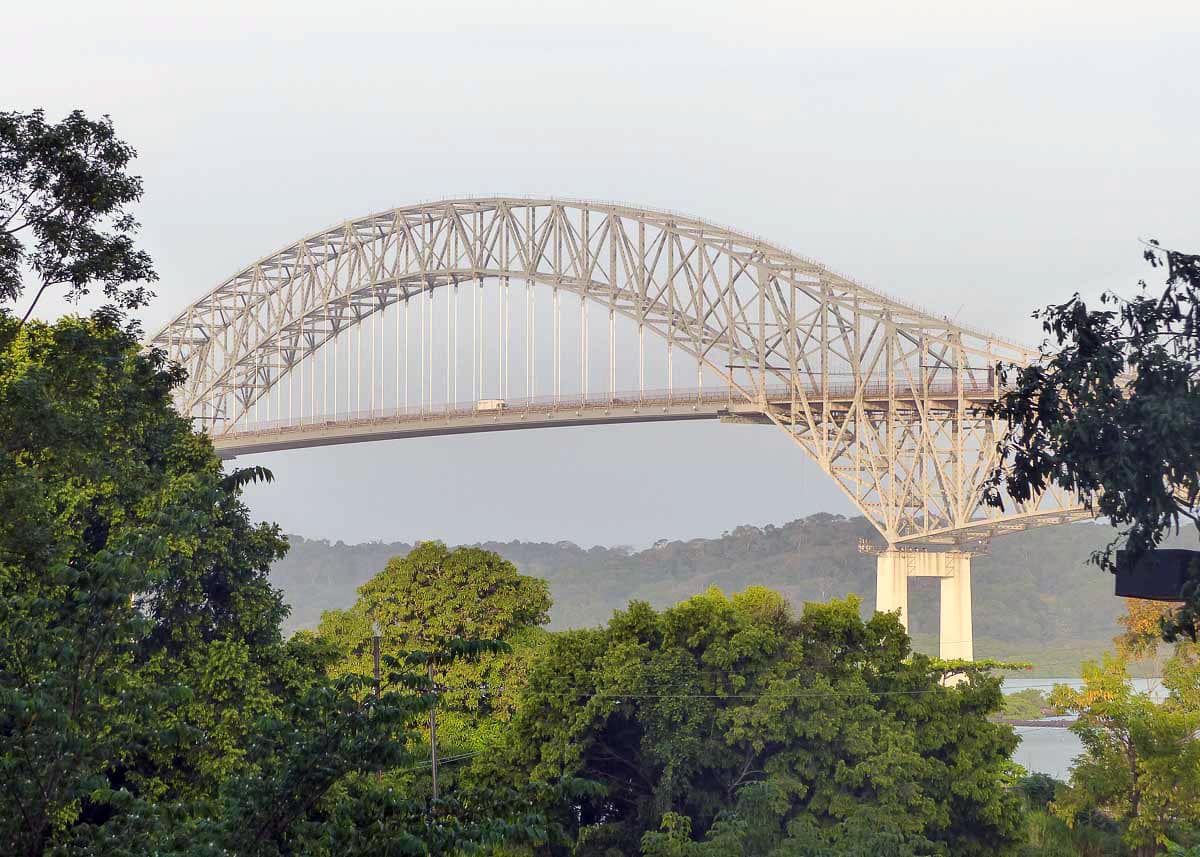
(910, 443)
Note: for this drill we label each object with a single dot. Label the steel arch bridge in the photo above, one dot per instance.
(555, 312)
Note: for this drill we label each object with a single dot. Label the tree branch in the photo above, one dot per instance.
(45, 285)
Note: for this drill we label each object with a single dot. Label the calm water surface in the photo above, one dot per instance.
(1053, 751)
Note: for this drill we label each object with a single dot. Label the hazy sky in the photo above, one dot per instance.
(977, 159)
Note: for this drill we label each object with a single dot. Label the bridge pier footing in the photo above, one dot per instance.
(891, 583)
(895, 567)
(957, 638)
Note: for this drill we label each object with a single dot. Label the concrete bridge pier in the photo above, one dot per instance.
(894, 568)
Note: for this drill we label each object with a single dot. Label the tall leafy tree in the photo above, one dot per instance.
(64, 217)
(1112, 412)
(1141, 758)
(731, 721)
(423, 601)
(148, 703)
(140, 636)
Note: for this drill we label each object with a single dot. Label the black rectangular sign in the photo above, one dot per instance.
(1158, 575)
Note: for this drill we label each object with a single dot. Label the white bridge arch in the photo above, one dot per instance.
(890, 400)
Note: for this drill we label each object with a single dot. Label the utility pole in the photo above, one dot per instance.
(375, 652)
(433, 762)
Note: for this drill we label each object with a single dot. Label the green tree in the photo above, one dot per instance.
(140, 637)
(1025, 704)
(1111, 411)
(64, 190)
(148, 703)
(432, 596)
(1141, 759)
(729, 721)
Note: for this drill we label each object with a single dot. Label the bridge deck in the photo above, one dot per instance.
(547, 412)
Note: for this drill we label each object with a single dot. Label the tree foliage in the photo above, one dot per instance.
(64, 193)
(1044, 602)
(726, 720)
(1141, 758)
(148, 702)
(1027, 704)
(1143, 622)
(1111, 411)
(433, 598)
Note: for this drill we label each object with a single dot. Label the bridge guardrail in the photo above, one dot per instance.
(668, 398)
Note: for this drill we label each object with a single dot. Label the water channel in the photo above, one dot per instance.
(1051, 750)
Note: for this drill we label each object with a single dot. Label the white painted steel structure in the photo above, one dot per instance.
(505, 313)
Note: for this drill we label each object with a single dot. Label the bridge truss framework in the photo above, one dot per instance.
(890, 400)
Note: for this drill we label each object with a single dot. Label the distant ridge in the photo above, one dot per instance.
(1033, 591)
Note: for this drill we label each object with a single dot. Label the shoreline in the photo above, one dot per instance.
(1041, 724)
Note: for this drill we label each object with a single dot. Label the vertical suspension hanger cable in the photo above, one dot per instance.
(407, 307)
(583, 345)
(395, 348)
(641, 288)
(331, 407)
(421, 345)
(555, 339)
(502, 339)
(506, 262)
(257, 389)
(304, 365)
(670, 317)
(431, 346)
(613, 278)
(291, 383)
(475, 397)
(612, 354)
(312, 371)
(507, 336)
(430, 314)
(455, 349)
(374, 354)
(346, 344)
(358, 360)
(641, 359)
(334, 343)
(267, 387)
(482, 341)
(529, 338)
(324, 355)
(378, 385)
(530, 265)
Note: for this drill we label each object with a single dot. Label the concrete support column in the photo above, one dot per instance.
(953, 568)
(957, 640)
(891, 588)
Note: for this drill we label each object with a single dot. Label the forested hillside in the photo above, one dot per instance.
(1035, 596)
